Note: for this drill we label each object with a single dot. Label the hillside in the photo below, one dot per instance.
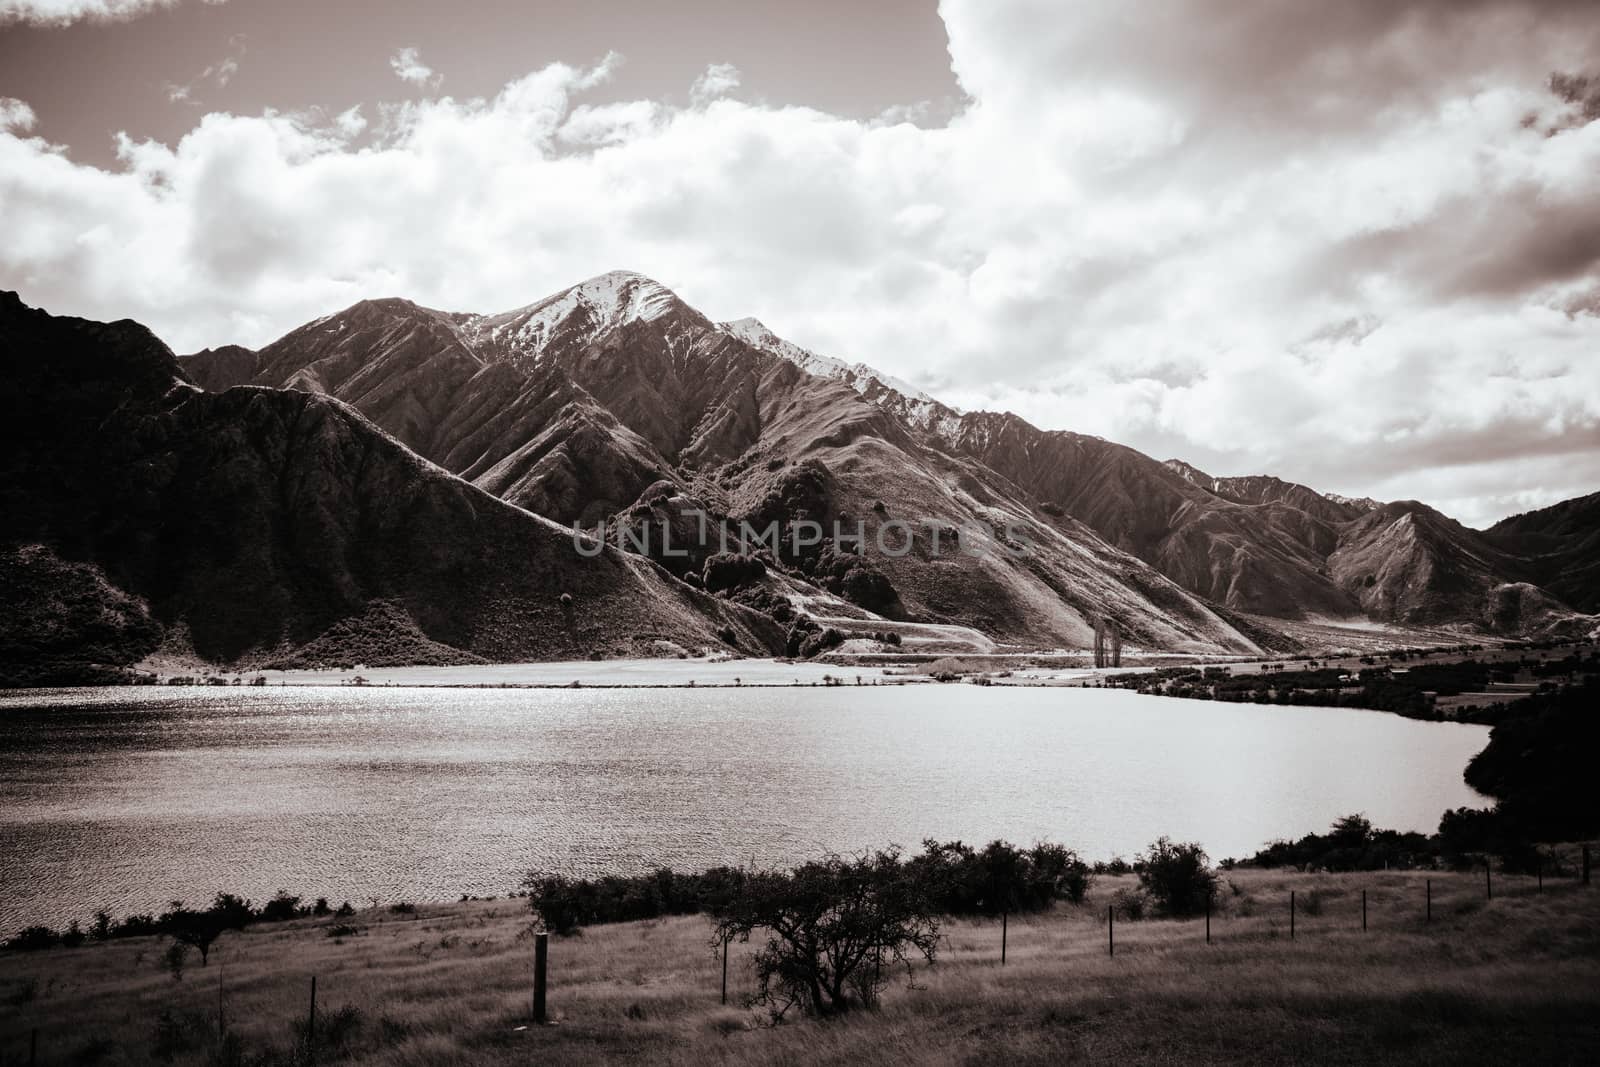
(315, 478)
(615, 386)
(1561, 547)
(251, 522)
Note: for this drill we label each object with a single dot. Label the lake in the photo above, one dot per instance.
(125, 799)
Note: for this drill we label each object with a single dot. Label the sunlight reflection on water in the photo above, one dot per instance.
(125, 799)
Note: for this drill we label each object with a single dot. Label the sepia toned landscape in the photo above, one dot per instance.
(931, 531)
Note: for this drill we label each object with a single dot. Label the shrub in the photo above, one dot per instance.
(728, 570)
(34, 938)
(558, 902)
(821, 641)
(281, 908)
(1131, 904)
(1178, 877)
(830, 926)
(176, 956)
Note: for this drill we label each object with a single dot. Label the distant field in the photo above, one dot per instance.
(1515, 980)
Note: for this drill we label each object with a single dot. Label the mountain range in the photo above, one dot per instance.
(398, 483)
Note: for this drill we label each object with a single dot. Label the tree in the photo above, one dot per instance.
(1178, 877)
(200, 929)
(830, 927)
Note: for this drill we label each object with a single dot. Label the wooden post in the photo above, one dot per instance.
(1488, 884)
(541, 954)
(1585, 864)
(1291, 915)
(1363, 910)
(1002, 939)
(1208, 920)
(1539, 870)
(1429, 887)
(1111, 930)
(311, 1024)
(725, 968)
(33, 1047)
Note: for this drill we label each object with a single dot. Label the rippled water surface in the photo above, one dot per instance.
(125, 799)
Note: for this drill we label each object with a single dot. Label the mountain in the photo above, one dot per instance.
(254, 523)
(395, 483)
(578, 404)
(657, 394)
(1561, 545)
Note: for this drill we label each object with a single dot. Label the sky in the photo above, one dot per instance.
(1353, 245)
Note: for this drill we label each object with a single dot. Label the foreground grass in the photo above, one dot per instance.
(1516, 979)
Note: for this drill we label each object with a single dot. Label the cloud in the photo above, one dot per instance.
(66, 12)
(719, 79)
(217, 75)
(1355, 263)
(408, 66)
(15, 115)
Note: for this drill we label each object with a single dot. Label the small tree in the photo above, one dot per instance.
(830, 925)
(1178, 877)
(558, 901)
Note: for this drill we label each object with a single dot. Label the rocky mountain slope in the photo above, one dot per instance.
(254, 522)
(630, 388)
(577, 404)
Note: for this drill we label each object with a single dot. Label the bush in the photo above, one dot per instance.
(1178, 877)
(1000, 878)
(833, 928)
(729, 570)
(821, 641)
(1131, 904)
(34, 938)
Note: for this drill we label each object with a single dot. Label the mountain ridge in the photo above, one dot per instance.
(685, 398)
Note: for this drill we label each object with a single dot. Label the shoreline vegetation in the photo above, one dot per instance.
(1371, 680)
(1162, 960)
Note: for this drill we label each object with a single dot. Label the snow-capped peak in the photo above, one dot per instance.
(585, 310)
(857, 375)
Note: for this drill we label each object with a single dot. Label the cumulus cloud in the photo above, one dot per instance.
(15, 115)
(408, 66)
(1365, 262)
(66, 12)
(718, 79)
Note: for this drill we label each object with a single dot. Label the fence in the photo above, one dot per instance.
(541, 958)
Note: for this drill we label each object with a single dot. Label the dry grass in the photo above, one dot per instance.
(1512, 980)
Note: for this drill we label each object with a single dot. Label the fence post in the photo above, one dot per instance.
(1585, 864)
(541, 953)
(1208, 920)
(1429, 885)
(1539, 870)
(1002, 939)
(1291, 915)
(311, 1024)
(1488, 884)
(33, 1047)
(1363, 910)
(725, 968)
(1111, 930)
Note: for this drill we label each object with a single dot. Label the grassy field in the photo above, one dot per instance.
(1515, 979)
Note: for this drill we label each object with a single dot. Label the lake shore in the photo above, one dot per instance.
(697, 672)
(1515, 979)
